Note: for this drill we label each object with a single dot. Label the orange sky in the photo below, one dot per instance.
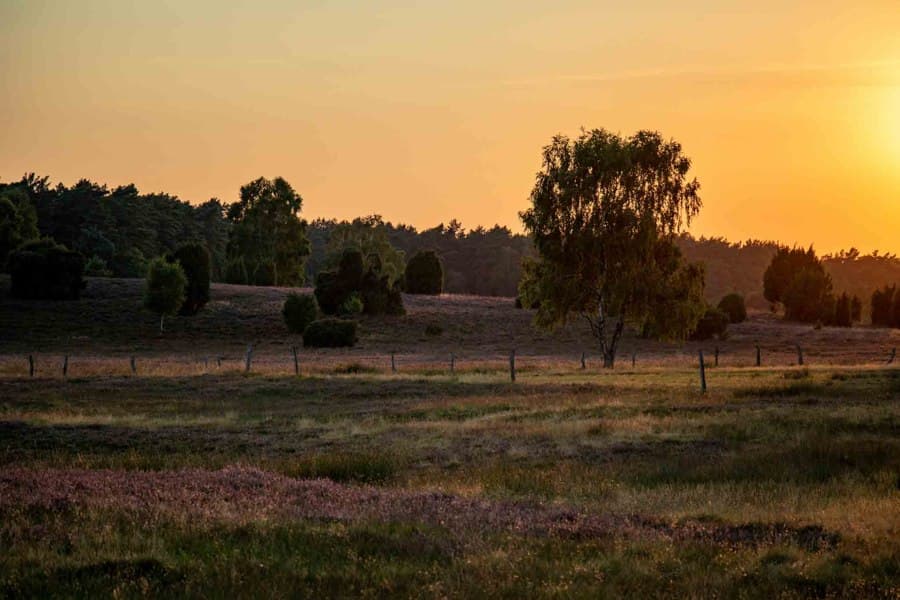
(426, 111)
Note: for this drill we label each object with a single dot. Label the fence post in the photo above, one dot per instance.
(296, 364)
(30, 365)
(133, 366)
(206, 363)
(512, 365)
(893, 356)
(66, 366)
(249, 358)
(393, 364)
(218, 362)
(583, 365)
(758, 357)
(452, 363)
(702, 373)
(799, 355)
(717, 356)
(633, 359)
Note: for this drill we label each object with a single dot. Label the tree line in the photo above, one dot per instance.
(119, 231)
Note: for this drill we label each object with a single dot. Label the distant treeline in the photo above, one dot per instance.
(485, 262)
(120, 230)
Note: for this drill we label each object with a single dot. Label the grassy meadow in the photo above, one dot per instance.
(352, 480)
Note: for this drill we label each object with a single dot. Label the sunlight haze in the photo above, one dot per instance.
(426, 112)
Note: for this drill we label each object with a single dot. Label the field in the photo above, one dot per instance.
(195, 478)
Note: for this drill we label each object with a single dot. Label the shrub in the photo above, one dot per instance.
(713, 323)
(45, 270)
(299, 311)
(855, 309)
(843, 316)
(96, 267)
(352, 305)
(164, 291)
(424, 273)
(882, 306)
(194, 259)
(379, 297)
(733, 306)
(335, 288)
(433, 330)
(329, 294)
(130, 263)
(330, 333)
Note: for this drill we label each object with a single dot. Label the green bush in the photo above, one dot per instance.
(130, 263)
(45, 270)
(194, 259)
(164, 291)
(96, 267)
(353, 277)
(733, 306)
(299, 311)
(352, 305)
(330, 333)
(713, 323)
(379, 296)
(424, 273)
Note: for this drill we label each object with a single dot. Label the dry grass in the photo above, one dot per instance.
(194, 479)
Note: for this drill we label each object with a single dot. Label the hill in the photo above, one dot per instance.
(109, 321)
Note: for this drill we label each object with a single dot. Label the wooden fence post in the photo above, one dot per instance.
(717, 356)
(452, 363)
(218, 362)
(893, 356)
(133, 366)
(758, 357)
(583, 365)
(633, 359)
(296, 363)
(799, 355)
(249, 358)
(702, 373)
(30, 365)
(393, 364)
(66, 366)
(512, 365)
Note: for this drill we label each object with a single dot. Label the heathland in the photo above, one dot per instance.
(191, 476)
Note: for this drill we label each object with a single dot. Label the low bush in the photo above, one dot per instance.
(330, 333)
(164, 288)
(96, 267)
(352, 306)
(424, 273)
(194, 260)
(45, 270)
(433, 330)
(713, 323)
(733, 305)
(299, 311)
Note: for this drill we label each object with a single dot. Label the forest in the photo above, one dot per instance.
(119, 230)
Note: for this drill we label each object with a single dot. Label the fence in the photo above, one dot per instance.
(294, 361)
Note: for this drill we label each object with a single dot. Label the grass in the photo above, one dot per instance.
(193, 478)
(566, 484)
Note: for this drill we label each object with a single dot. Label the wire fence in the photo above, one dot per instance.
(297, 361)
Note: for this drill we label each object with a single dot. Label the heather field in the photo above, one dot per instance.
(193, 478)
(777, 482)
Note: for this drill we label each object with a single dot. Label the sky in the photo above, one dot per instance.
(427, 111)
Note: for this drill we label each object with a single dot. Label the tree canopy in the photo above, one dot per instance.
(605, 214)
(268, 243)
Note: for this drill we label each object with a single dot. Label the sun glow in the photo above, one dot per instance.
(892, 124)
